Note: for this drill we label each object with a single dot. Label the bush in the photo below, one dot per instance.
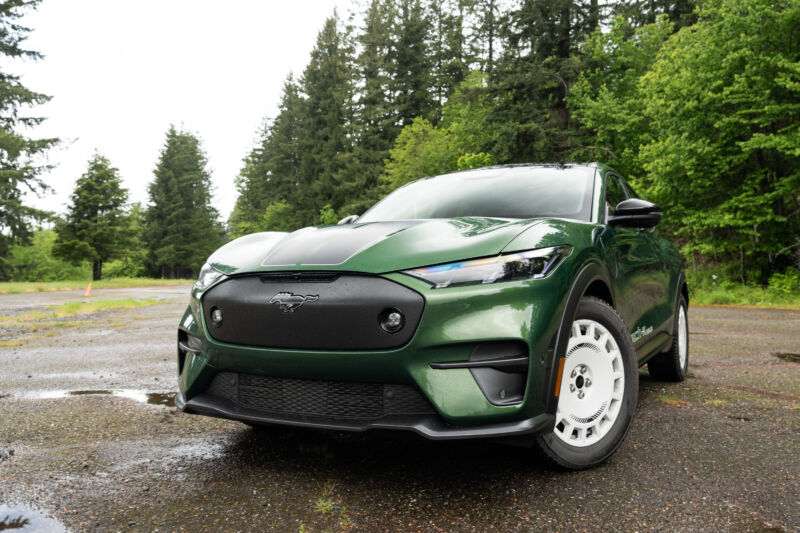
(36, 262)
(130, 266)
(786, 283)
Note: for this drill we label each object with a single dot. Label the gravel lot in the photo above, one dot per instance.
(88, 441)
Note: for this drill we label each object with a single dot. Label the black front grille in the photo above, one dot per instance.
(311, 311)
(318, 398)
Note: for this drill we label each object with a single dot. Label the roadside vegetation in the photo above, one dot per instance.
(17, 287)
(712, 287)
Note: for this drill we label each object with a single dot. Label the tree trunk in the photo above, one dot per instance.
(97, 270)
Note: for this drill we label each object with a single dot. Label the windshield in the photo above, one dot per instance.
(503, 192)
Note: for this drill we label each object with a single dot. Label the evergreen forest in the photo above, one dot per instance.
(696, 102)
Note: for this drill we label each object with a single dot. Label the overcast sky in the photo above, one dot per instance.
(120, 72)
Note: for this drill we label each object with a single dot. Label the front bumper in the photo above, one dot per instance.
(454, 325)
(429, 426)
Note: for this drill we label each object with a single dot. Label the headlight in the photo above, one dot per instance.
(533, 264)
(208, 275)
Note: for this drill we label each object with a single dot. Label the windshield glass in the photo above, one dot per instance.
(503, 192)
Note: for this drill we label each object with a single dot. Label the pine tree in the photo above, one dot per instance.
(96, 228)
(448, 47)
(181, 225)
(539, 64)
(270, 172)
(641, 12)
(326, 140)
(412, 83)
(376, 114)
(20, 156)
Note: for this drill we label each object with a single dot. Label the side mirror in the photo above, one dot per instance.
(348, 220)
(635, 213)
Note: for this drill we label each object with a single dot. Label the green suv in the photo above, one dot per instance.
(502, 302)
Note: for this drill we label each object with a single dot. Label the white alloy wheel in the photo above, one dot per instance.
(683, 346)
(592, 385)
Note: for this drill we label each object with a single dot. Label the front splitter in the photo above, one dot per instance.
(429, 426)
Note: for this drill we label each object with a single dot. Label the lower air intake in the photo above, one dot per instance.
(317, 398)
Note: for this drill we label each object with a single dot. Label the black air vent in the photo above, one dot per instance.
(318, 277)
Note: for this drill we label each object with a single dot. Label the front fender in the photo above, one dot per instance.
(590, 272)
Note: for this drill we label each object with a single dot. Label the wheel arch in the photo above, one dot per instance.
(592, 279)
(684, 288)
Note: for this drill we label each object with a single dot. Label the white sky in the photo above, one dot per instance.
(120, 72)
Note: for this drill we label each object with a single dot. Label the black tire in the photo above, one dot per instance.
(567, 456)
(667, 366)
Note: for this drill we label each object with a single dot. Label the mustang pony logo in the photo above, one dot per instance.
(288, 301)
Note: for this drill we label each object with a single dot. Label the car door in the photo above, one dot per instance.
(639, 273)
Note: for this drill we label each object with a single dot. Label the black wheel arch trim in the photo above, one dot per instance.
(589, 273)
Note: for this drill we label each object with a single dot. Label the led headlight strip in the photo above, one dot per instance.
(532, 264)
(208, 275)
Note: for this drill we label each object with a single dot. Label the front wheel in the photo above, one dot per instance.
(598, 391)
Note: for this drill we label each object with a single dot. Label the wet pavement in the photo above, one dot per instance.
(90, 441)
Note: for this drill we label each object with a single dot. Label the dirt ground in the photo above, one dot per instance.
(89, 441)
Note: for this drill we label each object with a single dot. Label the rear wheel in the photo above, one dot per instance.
(598, 392)
(673, 365)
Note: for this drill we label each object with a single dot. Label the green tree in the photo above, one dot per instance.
(714, 123)
(95, 228)
(412, 64)
(326, 139)
(377, 128)
(641, 12)
(21, 163)
(423, 150)
(271, 170)
(485, 20)
(132, 264)
(277, 217)
(181, 226)
(608, 98)
(540, 61)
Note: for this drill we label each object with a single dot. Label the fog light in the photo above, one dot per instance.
(391, 320)
(216, 316)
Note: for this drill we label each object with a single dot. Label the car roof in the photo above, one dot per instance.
(529, 165)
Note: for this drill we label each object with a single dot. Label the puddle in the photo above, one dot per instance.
(21, 518)
(786, 356)
(166, 399)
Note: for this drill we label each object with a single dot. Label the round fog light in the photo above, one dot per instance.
(216, 316)
(391, 320)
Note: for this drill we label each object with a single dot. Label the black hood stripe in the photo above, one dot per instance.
(331, 245)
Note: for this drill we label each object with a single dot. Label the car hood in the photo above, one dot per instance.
(377, 247)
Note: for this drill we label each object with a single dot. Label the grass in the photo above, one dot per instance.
(48, 321)
(18, 287)
(93, 306)
(35, 318)
(12, 343)
(744, 296)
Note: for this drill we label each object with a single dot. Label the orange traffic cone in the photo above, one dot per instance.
(88, 290)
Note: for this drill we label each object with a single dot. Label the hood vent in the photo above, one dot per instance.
(318, 277)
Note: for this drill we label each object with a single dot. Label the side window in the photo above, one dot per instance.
(629, 190)
(614, 192)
